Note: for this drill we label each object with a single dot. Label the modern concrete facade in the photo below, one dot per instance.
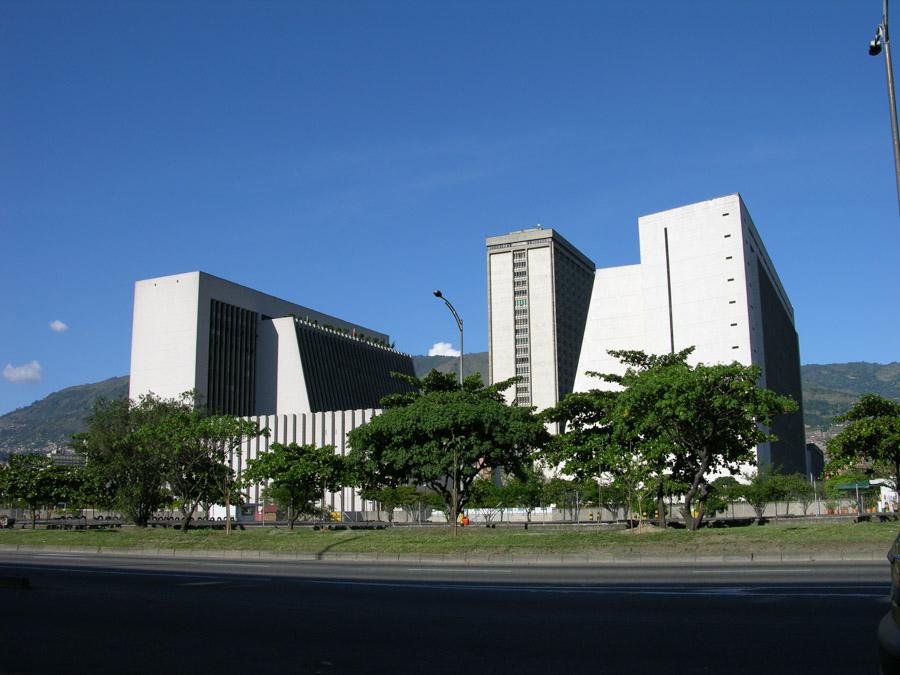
(318, 429)
(539, 290)
(249, 353)
(704, 280)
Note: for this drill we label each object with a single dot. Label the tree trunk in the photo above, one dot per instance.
(696, 522)
(186, 516)
(661, 507)
(693, 522)
(228, 494)
(897, 474)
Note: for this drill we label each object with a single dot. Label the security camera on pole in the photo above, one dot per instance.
(883, 40)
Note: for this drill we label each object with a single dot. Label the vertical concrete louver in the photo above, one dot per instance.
(318, 429)
(231, 377)
(342, 372)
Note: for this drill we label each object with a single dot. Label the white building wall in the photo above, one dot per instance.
(290, 383)
(500, 316)
(542, 327)
(707, 275)
(318, 429)
(164, 336)
(615, 321)
(170, 329)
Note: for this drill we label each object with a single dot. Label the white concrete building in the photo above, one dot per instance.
(539, 288)
(249, 353)
(704, 280)
(308, 377)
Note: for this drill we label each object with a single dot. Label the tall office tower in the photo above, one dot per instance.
(704, 280)
(539, 289)
(248, 353)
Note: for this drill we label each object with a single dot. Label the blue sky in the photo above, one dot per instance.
(352, 157)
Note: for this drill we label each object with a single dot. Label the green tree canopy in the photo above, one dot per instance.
(442, 431)
(125, 461)
(36, 481)
(796, 487)
(668, 425)
(526, 491)
(301, 473)
(201, 447)
(140, 455)
(761, 489)
(391, 498)
(486, 496)
(710, 418)
(870, 439)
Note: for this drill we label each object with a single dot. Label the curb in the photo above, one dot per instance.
(612, 557)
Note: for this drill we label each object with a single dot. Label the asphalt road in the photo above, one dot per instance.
(130, 615)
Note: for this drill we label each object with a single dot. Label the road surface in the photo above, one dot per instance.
(90, 614)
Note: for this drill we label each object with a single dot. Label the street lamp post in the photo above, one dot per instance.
(459, 324)
(883, 40)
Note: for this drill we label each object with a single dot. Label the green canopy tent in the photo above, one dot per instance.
(856, 487)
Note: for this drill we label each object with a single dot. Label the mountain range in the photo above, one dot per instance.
(828, 390)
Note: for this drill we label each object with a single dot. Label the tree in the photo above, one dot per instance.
(719, 492)
(526, 491)
(596, 445)
(4, 486)
(141, 455)
(443, 436)
(392, 498)
(126, 462)
(613, 496)
(871, 438)
(487, 497)
(667, 424)
(761, 489)
(201, 448)
(709, 418)
(796, 488)
(633, 472)
(726, 490)
(35, 481)
(301, 473)
(415, 504)
(290, 504)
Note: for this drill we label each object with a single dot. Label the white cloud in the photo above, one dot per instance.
(30, 372)
(58, 326)
(443, 349)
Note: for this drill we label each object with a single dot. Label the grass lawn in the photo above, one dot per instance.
(795, 537)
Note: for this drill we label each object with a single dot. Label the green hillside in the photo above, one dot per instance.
(472, 363)
(828, 390)
(50, 421)
(831, 389)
